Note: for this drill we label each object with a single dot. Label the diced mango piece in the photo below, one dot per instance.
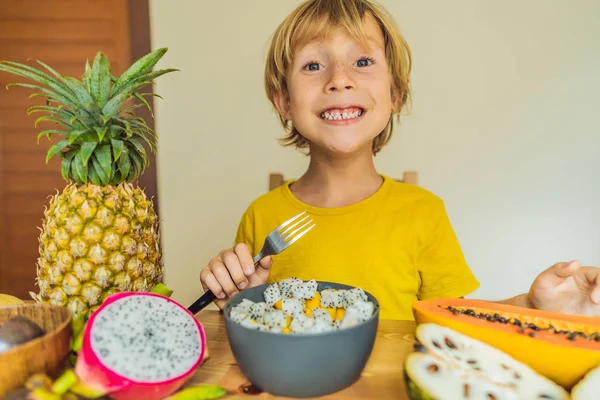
(315, 302)
(308, 312)
(278, 305)
(288, 320)
(286, 330)
(332, 312)
(339, 314)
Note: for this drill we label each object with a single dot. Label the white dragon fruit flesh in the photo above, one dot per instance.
(272, 294)
(429, 377)
(364, 309)
(588, 388)
(303, 291)
(286, 287)
(245, 306)
(312, 285)
(257, 311)
(140, 345)
(332, 298)
(321, 326)
(322, 314)
(481, 362)
(301, 324)
(273, 318)
(238, 315)
(353, 295)
(293, 307)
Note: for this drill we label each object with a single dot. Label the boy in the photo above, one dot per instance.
(338, 73)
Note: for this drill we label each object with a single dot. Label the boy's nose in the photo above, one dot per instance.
(340, 80)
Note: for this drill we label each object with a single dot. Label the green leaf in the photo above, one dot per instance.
(144, 80)
(93, 174)
(124, 163)
(103, 156)
(102, 173)
(117, 147)
(51, 118)
(83, 96)
(49, 133)
(26, 71)
(144, 102)
(81, 170)
(100, 79)
(53, 96)
(114, 104)
(56, 149)
(139, 147)
(64, 168)
(138, 164)
(57, 111)
(141, 66)
(101, 132)
(151, 143)
(75, 135)
(129, 110)
(86, 76)
(87, 148)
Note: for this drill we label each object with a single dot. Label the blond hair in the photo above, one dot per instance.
(318, 19)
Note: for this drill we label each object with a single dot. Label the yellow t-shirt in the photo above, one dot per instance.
(398, 244)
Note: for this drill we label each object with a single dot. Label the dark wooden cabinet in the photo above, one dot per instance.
(63, 34)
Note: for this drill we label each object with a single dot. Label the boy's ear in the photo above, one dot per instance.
(282, 103)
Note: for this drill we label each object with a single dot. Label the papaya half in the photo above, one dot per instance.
(559, 346)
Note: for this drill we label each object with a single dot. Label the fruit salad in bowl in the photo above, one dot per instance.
(302, 338)
(293, 306)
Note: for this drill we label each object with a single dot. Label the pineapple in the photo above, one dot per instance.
(100, 235)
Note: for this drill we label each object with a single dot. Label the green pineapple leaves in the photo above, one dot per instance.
(104, 142)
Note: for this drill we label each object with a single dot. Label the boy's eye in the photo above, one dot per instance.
(312, 66)
(364, 62)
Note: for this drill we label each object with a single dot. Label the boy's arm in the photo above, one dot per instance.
(521, 300)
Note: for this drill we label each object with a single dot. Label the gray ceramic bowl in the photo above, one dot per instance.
(301, 365)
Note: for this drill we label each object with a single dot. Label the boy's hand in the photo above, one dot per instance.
(567, 288)
(233, 270)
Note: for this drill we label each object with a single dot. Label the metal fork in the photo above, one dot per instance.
(277, 241)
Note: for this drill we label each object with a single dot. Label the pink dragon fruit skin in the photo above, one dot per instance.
(96, 376)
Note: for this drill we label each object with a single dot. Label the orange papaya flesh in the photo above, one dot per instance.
(561, 347)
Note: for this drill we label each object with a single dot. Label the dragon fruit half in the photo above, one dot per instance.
(588, 388)
(461, 367)
(140, 345)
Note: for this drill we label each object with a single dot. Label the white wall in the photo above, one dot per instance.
(503, 126)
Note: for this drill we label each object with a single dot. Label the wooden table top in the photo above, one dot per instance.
(381, 379)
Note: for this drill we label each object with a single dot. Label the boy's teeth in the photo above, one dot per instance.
(342, 114)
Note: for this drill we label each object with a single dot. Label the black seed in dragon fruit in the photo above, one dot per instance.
(257, 312)
(301, 324)
(320, 314)
(353, 295)
(332, 298)
(275, 318)
(272, 294)
(303, 291)
(293, 307)
(286, 287)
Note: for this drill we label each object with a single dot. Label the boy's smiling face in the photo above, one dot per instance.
(339, 93)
